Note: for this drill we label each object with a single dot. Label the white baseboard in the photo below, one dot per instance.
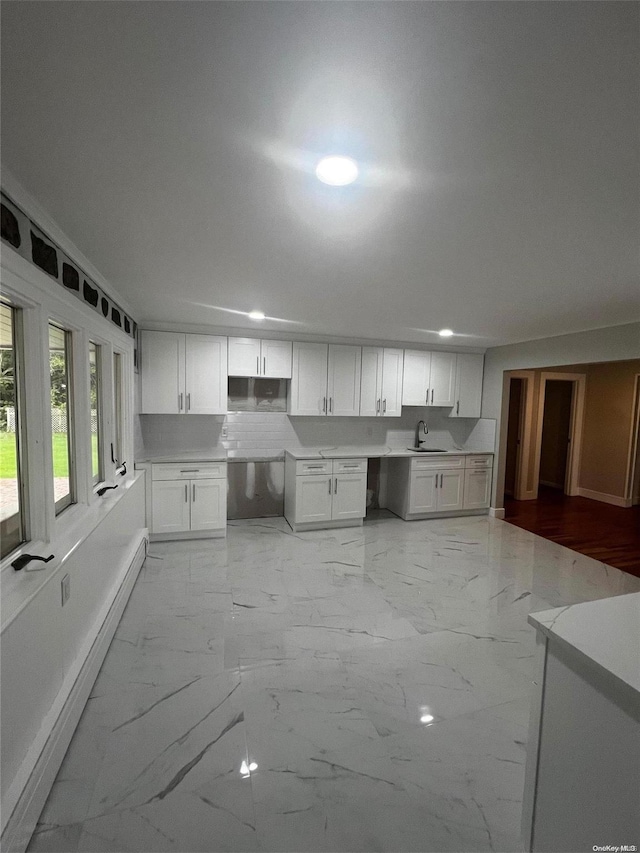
(24, 817)
(496, 512)
(604, 497)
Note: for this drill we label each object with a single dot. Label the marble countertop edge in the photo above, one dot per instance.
(605, 632)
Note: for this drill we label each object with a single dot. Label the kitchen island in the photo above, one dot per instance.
(583, 756)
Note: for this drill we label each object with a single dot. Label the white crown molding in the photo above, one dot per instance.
(34, 210)
(305, 337)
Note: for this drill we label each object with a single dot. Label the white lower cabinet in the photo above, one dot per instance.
(435, 491)
(335, 497)
(477, 488)
(421, 487)
(188, 499)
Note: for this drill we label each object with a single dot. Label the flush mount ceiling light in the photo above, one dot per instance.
(256, 315)
(445, 333)
(337, 171)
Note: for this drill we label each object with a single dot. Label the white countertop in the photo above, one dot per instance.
(371, 451)
(606, 632)
(216, 454)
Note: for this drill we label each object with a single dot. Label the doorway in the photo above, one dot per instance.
(556, 434)
(514, 431)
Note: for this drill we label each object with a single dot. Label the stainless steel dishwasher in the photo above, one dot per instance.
(256, 489)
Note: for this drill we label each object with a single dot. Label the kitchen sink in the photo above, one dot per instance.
(427, 449)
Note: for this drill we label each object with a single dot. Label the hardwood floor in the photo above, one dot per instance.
(607, 533)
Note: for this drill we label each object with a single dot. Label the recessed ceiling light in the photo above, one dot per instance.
(445, 333)
(337, 171)
(256, 315)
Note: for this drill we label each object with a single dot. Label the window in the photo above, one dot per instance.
(118, 411)
(95, 391)
(12, 468)
(61, 419)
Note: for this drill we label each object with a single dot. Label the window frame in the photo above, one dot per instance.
(22, 456)
(71, 498)
(98, 478)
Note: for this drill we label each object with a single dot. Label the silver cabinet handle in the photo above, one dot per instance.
(335, 488)
(384, 407)
(351, 466)
(257, 365)
(377, 407)
(324, 405)
(179, 402)
(189, 470)
(329, 485)
(441, 480)
(427, 398)
(331, 404)
(188, 401)
(314, 466)
(432, 396)
(193, 493)
(186, 492)
(264, 369)
(458, 407)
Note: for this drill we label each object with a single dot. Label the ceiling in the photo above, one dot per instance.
(174, 143)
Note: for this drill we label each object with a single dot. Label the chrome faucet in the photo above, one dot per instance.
(425, 430)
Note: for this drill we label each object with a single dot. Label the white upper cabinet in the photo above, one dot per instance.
(244, 356)
(443, 379)
(308, 392)
(183, 374)
(206, 375)
(253, 357)
(381, 385)
(429, 378)
(276, 359)
(416, 378)
(162, 368)
(468, 388)
(392, 365)
(343, 380)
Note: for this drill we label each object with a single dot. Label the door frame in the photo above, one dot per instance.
(579, 383)
(634, 445)
(521, 492)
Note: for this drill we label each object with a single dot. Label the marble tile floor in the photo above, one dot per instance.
(363, 689)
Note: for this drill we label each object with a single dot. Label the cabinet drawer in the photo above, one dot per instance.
(350, 466)
(481, 461)
(432, 462)
(188, 470)
(313, 466)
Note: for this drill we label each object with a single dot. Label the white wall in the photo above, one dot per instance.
(616, 343)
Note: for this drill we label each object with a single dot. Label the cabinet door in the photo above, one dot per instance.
(313, 498)
(450, 490)
(276, 359)
(371, 382)
(343, 380)
(443, 379)
(208, 504)
(162, 373)
(206, 375)
(392, 362)
(171, 500)
(422, 492)
(308, 392)
(415, 378)
(477, 488)
(468, 395)
(349, 496)
(244, 357)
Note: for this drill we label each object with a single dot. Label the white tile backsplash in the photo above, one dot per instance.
(259, 430)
